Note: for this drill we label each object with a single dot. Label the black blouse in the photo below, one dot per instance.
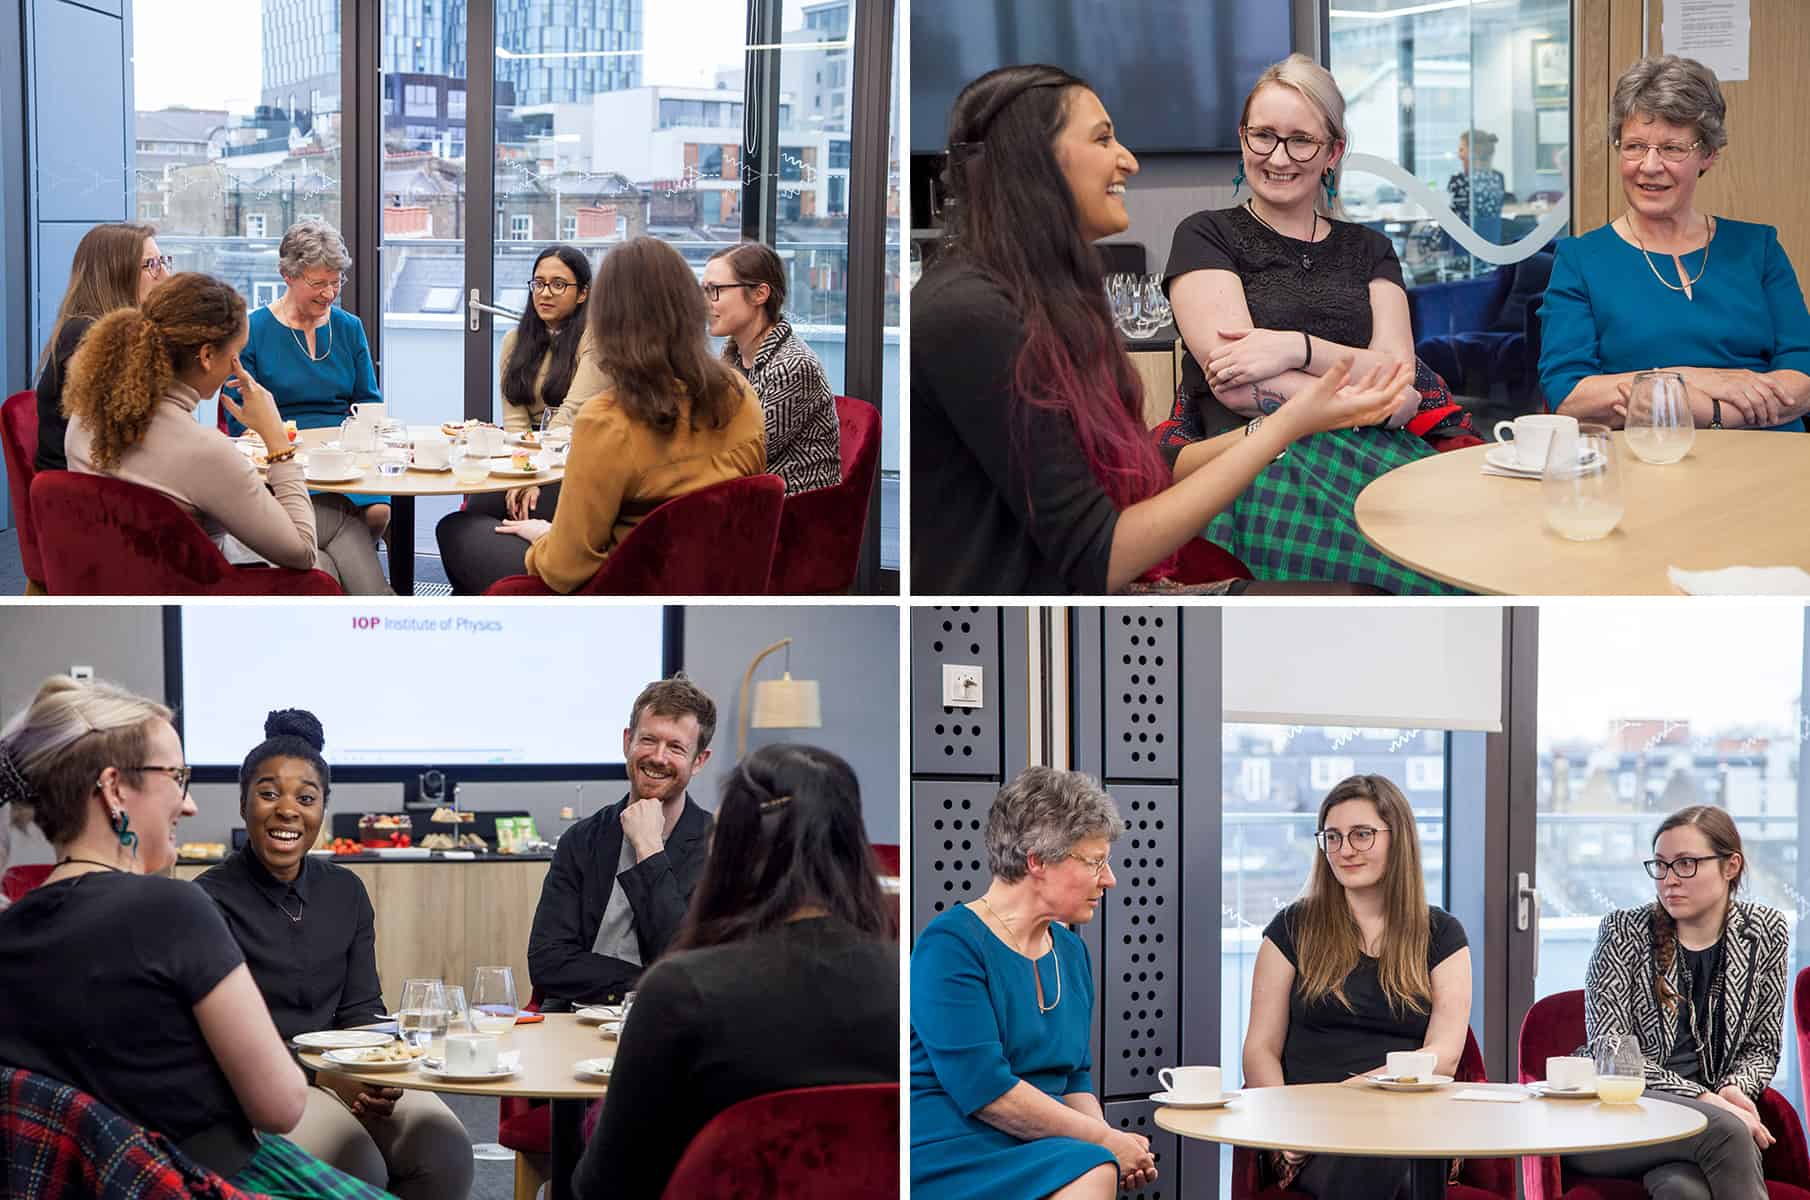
(318, 971)
(1329, 299)
(52, 424)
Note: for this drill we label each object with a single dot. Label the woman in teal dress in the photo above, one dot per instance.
(1666, 287)
(311, 355)
(1002, 997)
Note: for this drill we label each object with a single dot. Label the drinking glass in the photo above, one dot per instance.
(1660, 425)
(422, 1017)
(628, 1002)
(468, 466)
(458, 1013)
(1621, 1068)
(1581, 484)
(493, 1000)
(392, 460)
(1118, 295)
(1153, 305)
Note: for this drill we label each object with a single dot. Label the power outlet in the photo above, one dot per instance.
(962, 686)
(82, 674)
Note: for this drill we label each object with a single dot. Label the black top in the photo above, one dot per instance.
(1327, 1042)
(1701, 967)
(316, 973)
(978, 524)
(52, 424)
(99, 978)
(561, 963)
(809, 1004)
(1330, 299)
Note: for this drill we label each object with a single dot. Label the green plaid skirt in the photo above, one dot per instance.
(1297, 519)
(283, 1170)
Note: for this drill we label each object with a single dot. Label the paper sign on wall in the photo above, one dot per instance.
(1714, 32)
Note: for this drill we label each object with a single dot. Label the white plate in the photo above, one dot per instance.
(611, 1028)
(1164, 1098)
(597, 1014)
(515, 439)
(594, 1070)
(1423, 1083)
(502, 1072)
(351, 1058)
(1502, 457)
(503, 469)
(1540, 1087)
(340, 1039)
(402, 851)
(349, 475)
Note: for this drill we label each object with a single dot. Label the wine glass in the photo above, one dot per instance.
(422, 1016)
(1158, 301)
(1581, 484)
(493, 1000)
(1621, 1068)
(1660, 427)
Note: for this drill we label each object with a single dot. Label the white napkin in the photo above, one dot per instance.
(1501, 1097)
(1742, 581)
(509, 1060)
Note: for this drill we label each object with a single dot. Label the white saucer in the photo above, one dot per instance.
(506, 471)
(350, 1058)
(611, 1028)
(597, 1014)
(502, 1072)
(340, 1039)
(350, 475)
(1541, 1088)
(594, 1070)
(1502, 457)
(1425, 1083)
(1164, 1098)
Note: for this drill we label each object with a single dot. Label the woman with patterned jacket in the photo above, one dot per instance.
(1699, 978)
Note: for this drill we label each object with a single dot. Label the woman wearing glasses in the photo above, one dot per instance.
(307, 931)
(115, 266)
(1359, 966)
(1699, 978)
(1665, 286)
(1002, 1008)
(745, 286)
(1268, 296)
(312, 355)
(122, 982)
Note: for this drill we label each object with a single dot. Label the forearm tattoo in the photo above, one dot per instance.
(1267, 401)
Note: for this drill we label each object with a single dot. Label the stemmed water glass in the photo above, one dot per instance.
(1660, 426)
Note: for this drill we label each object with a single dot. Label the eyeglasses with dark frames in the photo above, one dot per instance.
(181, 775)
(158, 262)
(1684, 867)
(714, 291)
(1298, 146)
(1361, 837)
(556, 286)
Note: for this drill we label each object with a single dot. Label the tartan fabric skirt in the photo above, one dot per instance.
(282, 1170)
(1297, 519)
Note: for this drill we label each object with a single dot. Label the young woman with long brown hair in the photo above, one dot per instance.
(674, 418)
(1360, 966)
(116, 266)
(1699, 978)
(133, 389)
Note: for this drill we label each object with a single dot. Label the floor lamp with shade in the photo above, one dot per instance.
(783, 703)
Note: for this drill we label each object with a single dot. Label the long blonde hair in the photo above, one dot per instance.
(103, 277)
(1328, 943)
(1315, 84)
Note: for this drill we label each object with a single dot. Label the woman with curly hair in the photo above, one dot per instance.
(131, 398)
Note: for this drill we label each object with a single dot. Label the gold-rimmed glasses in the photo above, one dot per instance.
(1097, 865)
(1672, 152)
(323, 287)
(1361, 837)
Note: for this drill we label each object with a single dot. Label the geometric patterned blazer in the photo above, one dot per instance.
(1619, 995)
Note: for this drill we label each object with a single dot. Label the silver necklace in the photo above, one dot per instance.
(302, 344)
(1307, 263)
(1685, 287)
(1053, 957)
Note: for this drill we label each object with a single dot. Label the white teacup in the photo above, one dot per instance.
(470, 1054)
(485, 439)
(1532, 434)
(1411, 1062)
(372, 412)
(1570, 1073)
(1192, 1084)
(329, 461)
(433, 454)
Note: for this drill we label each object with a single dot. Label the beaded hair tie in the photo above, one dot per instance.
(13, 784)
(773, 805)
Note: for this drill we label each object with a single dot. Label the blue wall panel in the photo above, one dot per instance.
(53, 252)
(79, 114)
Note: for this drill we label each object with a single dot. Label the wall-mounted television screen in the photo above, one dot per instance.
(1173, 73)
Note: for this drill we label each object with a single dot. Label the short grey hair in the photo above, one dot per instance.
(1045, 812)
(312, 244)
(1679, 91)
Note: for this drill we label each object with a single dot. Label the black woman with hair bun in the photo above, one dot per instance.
(308, 933)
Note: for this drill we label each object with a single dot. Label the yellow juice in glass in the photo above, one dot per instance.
(1620, 1089)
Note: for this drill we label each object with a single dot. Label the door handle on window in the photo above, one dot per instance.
(474, 306)
(1527, 914)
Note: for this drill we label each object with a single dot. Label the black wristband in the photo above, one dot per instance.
(1309, 343)
(1715, 413)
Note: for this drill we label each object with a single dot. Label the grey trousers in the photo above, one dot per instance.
(419, 1152)
(343, 547)
(1721, 1163)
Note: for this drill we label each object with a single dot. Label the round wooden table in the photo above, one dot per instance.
(1739, 498)
(402, 490)
(548, 1048)
(1358, 1119)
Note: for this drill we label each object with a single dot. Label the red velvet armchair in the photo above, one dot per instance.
(19, 442)
(1555, 1027)
(820, 532)
(102, 536)
(716, 541)
(1800, 1014)
(19, 880)
(1201, 561)
(819, 1143)
(1478, 1178)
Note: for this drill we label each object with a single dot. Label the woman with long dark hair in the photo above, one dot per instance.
(1360, 966)
(1699, 978)
(673, 418)
(784, 975)
(1031, 467)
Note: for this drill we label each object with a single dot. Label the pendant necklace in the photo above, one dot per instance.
(1306, 262)
(1034, 974)
(1685, 287)
(296, 916)
(302, 344)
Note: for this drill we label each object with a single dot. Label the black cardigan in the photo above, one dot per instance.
(561, 962)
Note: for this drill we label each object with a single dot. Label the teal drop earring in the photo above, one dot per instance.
(122, 829)
(1332, 189)
(1238, 181)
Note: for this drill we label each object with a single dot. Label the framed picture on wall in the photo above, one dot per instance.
(1551, 68)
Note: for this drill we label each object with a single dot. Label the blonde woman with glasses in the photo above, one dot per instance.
(1360, 966)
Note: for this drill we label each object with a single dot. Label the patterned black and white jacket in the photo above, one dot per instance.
(1619, 995)
(804, 438)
